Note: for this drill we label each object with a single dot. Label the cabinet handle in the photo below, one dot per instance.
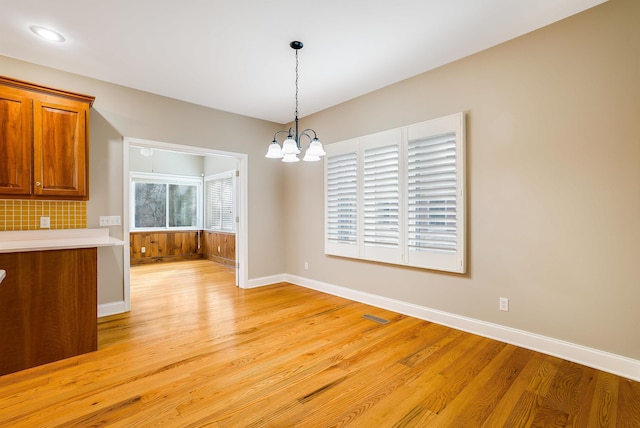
(38, 183)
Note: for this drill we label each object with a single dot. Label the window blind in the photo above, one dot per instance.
(219, 203)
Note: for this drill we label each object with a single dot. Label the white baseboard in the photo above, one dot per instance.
(265, 280)
(112, 308)
(601, 360)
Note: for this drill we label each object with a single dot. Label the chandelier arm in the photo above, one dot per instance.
(280, 132)
(305, 133)
(291, 133)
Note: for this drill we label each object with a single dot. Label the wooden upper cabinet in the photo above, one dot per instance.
(59, 145)
(44, 138)
(15, 143)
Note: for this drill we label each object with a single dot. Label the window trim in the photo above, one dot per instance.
(157, 178)
(453, 261)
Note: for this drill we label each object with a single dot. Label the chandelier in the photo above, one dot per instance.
(291, 147)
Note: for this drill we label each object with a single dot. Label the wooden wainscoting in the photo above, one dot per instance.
(219, 247)
(164, 246)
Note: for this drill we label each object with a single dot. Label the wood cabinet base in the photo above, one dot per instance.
(48, 307)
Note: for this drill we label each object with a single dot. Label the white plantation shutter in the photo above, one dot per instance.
(212, 196)
(381, 208)
(398, 196)
(341, 203)
(432, 194)
(227, 217)
(435, 198)
(219, 202)
(381, 197)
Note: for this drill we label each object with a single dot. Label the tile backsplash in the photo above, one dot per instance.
(25, 215)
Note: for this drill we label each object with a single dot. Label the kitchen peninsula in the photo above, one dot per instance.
(48, 298)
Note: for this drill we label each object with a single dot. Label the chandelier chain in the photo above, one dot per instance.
(296, 112)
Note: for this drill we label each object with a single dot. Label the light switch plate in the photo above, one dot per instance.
(45, 222)
(109, 220)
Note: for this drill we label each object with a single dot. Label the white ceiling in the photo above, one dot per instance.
(234, 55)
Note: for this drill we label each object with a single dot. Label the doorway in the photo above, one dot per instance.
(215, 157)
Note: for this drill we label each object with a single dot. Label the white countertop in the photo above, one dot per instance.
(60, 239)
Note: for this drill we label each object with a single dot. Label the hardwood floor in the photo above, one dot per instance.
(196, 351)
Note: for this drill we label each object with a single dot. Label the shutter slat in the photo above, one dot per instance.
(391, 169)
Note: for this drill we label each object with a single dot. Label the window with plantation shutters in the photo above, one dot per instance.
(219, 202)
(409, 203)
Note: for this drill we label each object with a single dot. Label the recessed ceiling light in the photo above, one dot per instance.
(146, 151)
(47, 34)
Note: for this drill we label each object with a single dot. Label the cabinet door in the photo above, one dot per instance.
(48, 307)
(15, 143)
(59, 149)
(15, 313)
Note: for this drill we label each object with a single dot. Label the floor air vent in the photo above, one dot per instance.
(376, 319)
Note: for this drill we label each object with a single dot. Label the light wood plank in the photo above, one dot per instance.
(197, 351)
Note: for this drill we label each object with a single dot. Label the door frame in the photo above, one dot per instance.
(242, 233)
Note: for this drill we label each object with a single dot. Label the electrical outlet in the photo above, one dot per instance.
(218, 249)
(143, 250)
(45, 222)
(504, 304)
(306, 265)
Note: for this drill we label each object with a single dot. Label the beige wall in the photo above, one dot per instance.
(120, 111)
(553, 146)
(218, 164)
(553, 178)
